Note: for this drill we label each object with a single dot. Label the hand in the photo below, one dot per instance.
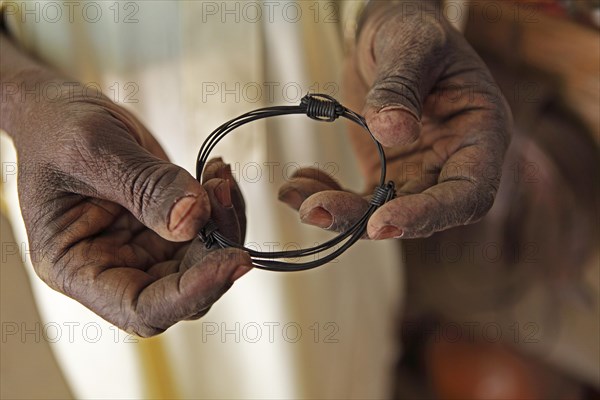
(430, 100)
(110, 220)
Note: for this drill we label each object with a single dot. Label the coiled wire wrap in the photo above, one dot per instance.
(320, 107)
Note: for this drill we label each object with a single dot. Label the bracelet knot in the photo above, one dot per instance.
(383, 194)
(322, 107)
(206, 234)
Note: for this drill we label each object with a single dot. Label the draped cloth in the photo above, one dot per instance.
(184, 68)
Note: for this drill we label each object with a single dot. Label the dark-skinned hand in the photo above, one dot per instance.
(110, 220)
(431, 101)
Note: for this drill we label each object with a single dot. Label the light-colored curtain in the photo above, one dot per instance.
(183, 68)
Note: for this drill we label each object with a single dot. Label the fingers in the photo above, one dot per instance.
(420, 215)
(333, 210)
(138, 302)
(400, 58)
(304, 183)
(295, 191)
(186, 294)
(161, 195)
(223, 213)
(216, 168)
(462, 195)
(148, 302)
(318, 175)
(321, 201)
(469, 147)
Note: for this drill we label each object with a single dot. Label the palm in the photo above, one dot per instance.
(444, 126)
(127, 260)
(89, 200)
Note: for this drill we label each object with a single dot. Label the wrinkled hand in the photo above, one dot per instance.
(431, 101)
(109, 219)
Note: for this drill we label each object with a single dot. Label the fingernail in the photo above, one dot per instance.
(223, 194)
(397, 108)
(395, 125)
(225, 172)
(180, 210)
(239, 272)
(387, 232)
(291, 197)
(318, 216)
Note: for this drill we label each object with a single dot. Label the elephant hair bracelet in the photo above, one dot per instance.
(320, 107)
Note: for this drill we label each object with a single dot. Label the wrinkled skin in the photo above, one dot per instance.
(110, 220)
(431, 101)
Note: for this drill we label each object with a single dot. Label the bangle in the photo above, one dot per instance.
(319, 107)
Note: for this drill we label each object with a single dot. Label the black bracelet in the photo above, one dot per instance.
(320, 107)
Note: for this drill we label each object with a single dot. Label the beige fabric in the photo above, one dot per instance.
(28, 369)
(171, 61)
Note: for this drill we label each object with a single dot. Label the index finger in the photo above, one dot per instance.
(464, 191)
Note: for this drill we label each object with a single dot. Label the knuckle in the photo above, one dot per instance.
(223, 259)
(147, 182)
(237, 257)
(397, 89)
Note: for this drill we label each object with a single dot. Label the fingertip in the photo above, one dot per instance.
(393, 125)
(413, 216)
(225, 173)
(212, 168)
(297, 190)
(291, 196)
(180, 210)
(232, 264)
(223, 193)
(223, 212)
(388, 221)
(384, 232)
(218, 267)
(187, 215)
(317, 216)
(332, 209)
(240, 271)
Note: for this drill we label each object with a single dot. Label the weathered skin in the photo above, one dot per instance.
(432, 102)
(109, 219)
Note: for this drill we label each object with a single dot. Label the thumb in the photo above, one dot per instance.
(400, 59)
(161, 195)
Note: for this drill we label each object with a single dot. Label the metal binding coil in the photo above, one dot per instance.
(320, 107)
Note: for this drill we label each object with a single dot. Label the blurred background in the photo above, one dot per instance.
(508, 308)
